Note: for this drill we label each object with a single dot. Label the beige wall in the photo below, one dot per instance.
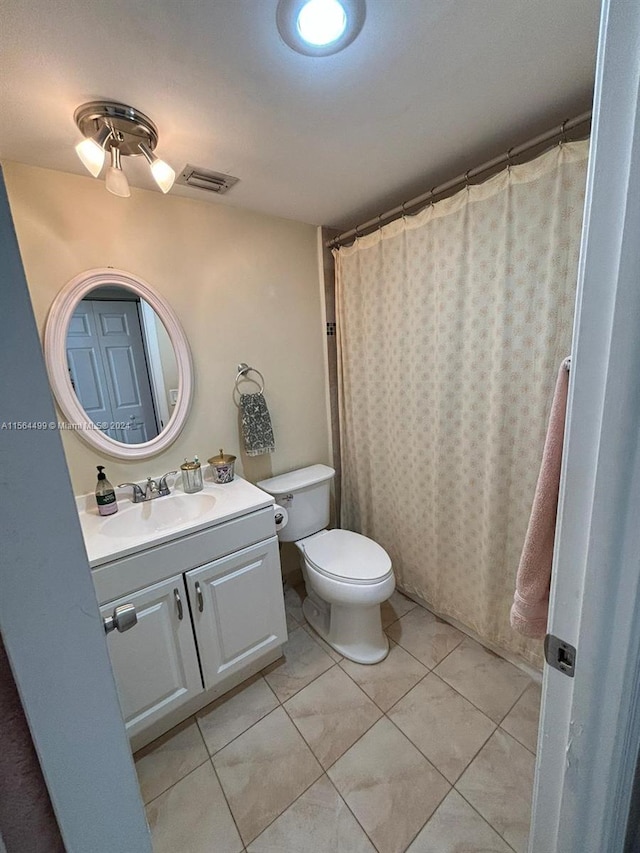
(244, 286)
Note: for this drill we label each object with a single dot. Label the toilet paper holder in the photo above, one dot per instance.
(280, 516)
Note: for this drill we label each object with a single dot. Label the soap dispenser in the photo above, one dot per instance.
(105, 494)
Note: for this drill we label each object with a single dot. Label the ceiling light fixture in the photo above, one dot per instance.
(320, 27)
(321, 21)
(122, 131)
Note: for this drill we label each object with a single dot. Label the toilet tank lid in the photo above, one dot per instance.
(302, 478)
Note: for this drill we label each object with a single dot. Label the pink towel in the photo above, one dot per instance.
(531, 597)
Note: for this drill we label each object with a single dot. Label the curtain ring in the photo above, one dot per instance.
(431, 195)
(563, 132)
(466, 178)
(509, 163)
(357, 232)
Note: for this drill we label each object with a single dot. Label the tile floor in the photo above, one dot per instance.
(430, 751)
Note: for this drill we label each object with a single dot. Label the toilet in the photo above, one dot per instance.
(347, 575)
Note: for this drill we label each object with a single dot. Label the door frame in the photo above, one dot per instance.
(590, 724)
(154, 363)
(49, 618)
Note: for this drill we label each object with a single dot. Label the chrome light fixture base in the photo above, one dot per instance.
(129, 126)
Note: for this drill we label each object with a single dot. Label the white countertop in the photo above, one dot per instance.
(136, 527)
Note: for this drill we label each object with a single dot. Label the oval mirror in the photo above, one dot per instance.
(119, 364)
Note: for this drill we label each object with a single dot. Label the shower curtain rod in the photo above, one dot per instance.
(558, 132)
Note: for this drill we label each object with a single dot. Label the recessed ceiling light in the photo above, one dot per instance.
(321, 21)
(320, 27)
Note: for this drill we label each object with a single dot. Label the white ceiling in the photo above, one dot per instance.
(429, 89)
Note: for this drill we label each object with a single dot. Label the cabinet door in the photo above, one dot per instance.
(155, 662)
(238, 609)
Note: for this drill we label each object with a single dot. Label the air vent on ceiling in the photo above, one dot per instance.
(205, 179)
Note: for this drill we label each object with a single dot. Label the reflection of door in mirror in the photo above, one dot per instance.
(108, 366)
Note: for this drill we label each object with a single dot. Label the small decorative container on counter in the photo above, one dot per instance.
(222, 467)
(191, 476)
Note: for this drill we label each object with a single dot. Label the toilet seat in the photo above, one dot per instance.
(347, 556)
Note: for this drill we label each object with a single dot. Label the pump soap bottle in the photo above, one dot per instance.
(105, 495)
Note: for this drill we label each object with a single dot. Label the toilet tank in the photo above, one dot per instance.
(304, 493)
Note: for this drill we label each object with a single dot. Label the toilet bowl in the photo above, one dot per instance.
(347, 575)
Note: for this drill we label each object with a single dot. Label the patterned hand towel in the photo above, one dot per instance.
(256, 425)
(531, 597)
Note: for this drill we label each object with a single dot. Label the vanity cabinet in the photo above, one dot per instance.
(210, 613)
(237, 609)
(155, 663)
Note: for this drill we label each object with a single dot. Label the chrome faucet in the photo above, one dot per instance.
(152, 489)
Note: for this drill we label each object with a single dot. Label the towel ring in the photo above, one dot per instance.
(243, 369)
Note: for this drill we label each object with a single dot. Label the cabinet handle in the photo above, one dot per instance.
(199, 597)
(178, 603)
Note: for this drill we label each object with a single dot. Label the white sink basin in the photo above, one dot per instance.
(157, 516)
(136, 527)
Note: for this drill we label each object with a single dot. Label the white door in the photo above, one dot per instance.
(238, 609)
(86, 369)
(155, 662)
(49, 617)
(108, 368)
(590, 723)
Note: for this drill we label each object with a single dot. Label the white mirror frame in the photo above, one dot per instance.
(55, 350)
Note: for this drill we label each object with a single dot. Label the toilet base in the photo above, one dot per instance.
(354, 632)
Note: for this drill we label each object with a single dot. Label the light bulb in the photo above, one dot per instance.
(92, 155)
(321, 21)
(117, 183)
(163, 175)
(116, 180)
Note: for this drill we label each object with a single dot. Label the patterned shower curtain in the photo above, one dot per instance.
(451, 327)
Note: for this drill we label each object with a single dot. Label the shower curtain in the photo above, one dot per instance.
(451, 327)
